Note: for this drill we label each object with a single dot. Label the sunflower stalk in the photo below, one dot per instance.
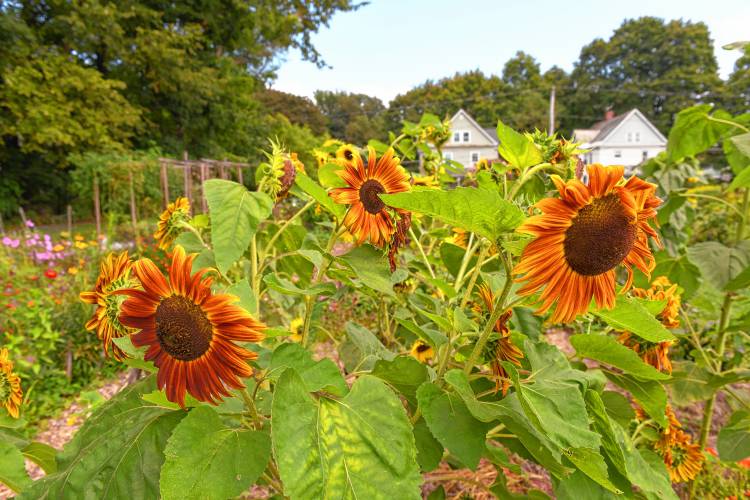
(470, 249)
(497, 310)
(474, 275)
(285, 226)
(310, 299)
(250, 405)
(421, 252)
(525, 176)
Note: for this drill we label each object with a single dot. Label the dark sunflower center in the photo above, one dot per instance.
(600, 237)
(368, 195)
(348, 154)
(422, 348)
(182, 328)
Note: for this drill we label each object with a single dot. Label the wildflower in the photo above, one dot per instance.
(422, 351)
(583, 236)
(11, 394)
(176, 213)
(30, 224)
(346, 154)
(73, 270)
(50, 273)
(296, 328)
(114, 275)
(58, 248)
(190, 332)
(367, 217)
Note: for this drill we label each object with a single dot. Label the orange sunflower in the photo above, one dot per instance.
(189, 331)
(114, 275)
(168, 228)
(502, 348)
(368, 217)
(583, 236)
(11, 394)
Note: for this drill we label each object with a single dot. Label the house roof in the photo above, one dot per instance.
(490, 136)
(603, 129)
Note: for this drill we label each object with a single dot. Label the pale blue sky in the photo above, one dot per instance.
(389, 46)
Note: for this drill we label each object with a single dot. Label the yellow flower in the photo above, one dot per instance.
(78, 237)
(81, 245)
(428, 181)
(58, 248)
(422, 351)
(346, 153)
(11, 395)
(296, 328)
(72, 270)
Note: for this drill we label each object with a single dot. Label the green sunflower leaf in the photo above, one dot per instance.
(335, 448)
(480, 211)
(650, 394)
(320, 195)
(630, 316)
(12, 467)
(608, 350)
(517, 149)
(206, 459)
(118, 453)
(235, 215)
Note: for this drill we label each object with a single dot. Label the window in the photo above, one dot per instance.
(645, 155)
(618, 154)
(630, 137)
(467, 136)
(448, 155)
(474, 156)
(637, 137)
(456, 136)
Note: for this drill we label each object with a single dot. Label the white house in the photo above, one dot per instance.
(469, 142)
(627, 139)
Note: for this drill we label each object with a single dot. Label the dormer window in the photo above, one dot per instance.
(630, 137)
(456, 136)
(637, 137)
(467, 136)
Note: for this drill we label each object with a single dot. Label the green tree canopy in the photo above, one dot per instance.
(351, 117)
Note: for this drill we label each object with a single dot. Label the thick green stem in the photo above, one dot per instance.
(250, 405)
(470, 248)
(497, 310)
(285, 226)
(525, 176)
(474, 275)
(421, 252)
(310, 299)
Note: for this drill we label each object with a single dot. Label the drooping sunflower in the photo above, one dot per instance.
(427, 181)
(501, 348)
(583, 236)
(114, 275)
(656, 354)
(168, 229)
(190, 332)
(11, 395)
(368, 217)
(422, 351)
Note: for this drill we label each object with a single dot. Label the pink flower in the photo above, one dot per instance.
(29, 223)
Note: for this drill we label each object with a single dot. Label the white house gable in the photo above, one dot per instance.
(469, 142)
(635, 130)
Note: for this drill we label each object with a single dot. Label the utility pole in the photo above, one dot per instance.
(552, 111)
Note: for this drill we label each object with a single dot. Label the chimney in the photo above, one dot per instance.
(609, 114)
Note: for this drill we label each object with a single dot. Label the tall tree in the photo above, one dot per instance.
(738, 86)
(656, 66)
(525, 107)
(299, 110)
(354, 118)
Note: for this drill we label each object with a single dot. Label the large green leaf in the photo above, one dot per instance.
(650, 475)
(679, 270)
(479, 211)
(648, 393)
(591, 463)
(517, 149)
(318, 375)
(608, 350)
(43, 455)
(509, 412)
(235, 216)
(403, 373)
(429, 449)
(118, 453)
(370, 267)
(628, 315)
(360, 446)
(245, 293)
(734, 438)
(557, 409)
(693, 132)
(12, 467)
(369, 346)
(320, 195)
(452, 424)
(206, 459)
(719, 264)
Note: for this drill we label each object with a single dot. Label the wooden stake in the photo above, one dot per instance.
(70, 222)
(187, 174)
(133, 215)
(239, 175)
(97, 208)
(165, 184)
(204, 208)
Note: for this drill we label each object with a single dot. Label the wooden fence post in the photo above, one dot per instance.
(97, 208)
(187, 173)
(204, 208)
(70, 222)
(239, 175)
(133, 214)
(165, 183)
